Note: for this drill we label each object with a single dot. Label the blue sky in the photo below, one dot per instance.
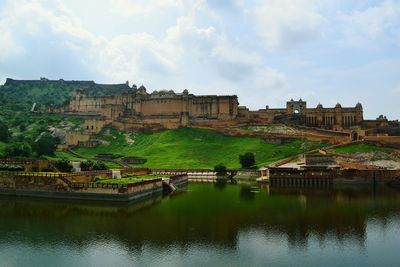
(264, 51)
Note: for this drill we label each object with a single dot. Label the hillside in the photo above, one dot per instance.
(369, 154)
(2, 148)
(361, 148)
(192, 148)
(56, 92)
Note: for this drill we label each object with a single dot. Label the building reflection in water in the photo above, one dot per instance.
(206, 215)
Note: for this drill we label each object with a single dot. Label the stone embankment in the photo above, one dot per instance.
(79, 186)
(328, 177)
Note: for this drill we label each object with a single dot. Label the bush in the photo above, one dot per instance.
(87, 165)
(4, 132)
(63, 165)
(220, 169)
(46, 145)
(96, 179)
(18, 149)
(10, 167)
(98, 165)
(247, 160)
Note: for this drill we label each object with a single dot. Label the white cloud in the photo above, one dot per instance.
(206, 46)
(286, 23)
(373, 23)
(132, 8)
(8, 46)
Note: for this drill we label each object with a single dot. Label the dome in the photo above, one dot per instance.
(338, 105)
(319, 106)
(358, 105)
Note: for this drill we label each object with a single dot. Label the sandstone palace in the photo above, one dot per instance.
(168, 109)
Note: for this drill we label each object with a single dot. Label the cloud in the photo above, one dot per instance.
(8, 46)
(233, 64)
(266, 52)
(286, 23)
(140, 7)
(42, 38)
(380, 23)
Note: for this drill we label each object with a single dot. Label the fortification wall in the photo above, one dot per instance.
(73, 138)
(391, 141)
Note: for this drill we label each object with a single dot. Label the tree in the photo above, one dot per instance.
(220, 169)
(87, 165)
(46, 145)
(4, 132)
(18, 149)
(247, 160)
(98, 165)
(63, 165)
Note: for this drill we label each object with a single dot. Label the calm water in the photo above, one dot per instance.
(208, 225)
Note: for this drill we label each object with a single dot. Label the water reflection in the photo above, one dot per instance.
(220, 216)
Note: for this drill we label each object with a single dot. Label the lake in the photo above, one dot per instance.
(208, 225)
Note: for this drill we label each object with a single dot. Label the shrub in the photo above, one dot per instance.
(247, 160)
(87, 165)
(63, 165)
(220, 169)
(10, 167)
(18, 149)
(98, 165)
(96, 179)
(4, 133)
(46, 145)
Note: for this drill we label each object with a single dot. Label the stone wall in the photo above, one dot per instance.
(57, 186)
(391, 141)
(333, 176)
(140, 103)
(94, 125)
(73, 137)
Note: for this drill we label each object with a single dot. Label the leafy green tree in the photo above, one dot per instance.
(18, 149)
(98, 165)
(220, 169)
(247, 160)
(4, 132)
(63, 165)
(45, 145)
(87, 165)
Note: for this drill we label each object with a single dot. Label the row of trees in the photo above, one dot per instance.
(90, 165)
(64, 165)
(46, 144)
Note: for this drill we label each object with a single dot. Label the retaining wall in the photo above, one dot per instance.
(57, 186)
(334, 176)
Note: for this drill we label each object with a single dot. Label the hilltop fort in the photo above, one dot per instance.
(130, 107)
(170, 110)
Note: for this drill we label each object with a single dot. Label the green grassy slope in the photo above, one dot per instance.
(194, 148)
(361, 148)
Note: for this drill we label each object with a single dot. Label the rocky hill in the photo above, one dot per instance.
(46, 92)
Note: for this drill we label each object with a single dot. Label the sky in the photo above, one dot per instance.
(264, 51)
